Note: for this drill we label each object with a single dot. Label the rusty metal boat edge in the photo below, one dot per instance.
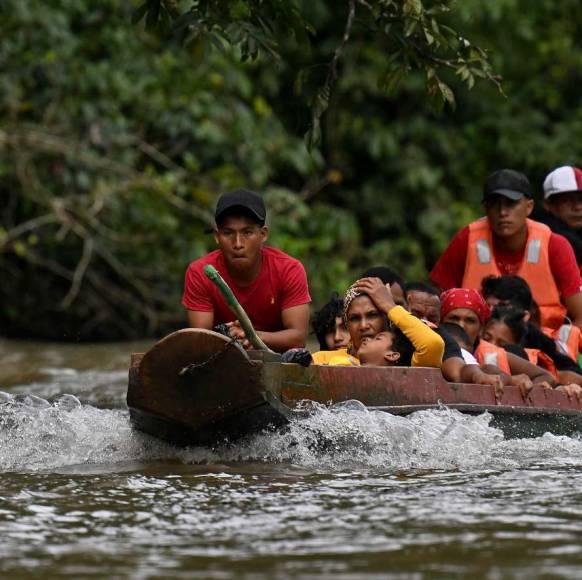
(196, 387)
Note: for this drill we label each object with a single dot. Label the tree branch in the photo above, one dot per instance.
(79, 273)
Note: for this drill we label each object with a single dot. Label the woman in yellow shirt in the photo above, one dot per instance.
(383, 333)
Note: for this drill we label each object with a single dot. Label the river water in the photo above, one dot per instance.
(345, 494)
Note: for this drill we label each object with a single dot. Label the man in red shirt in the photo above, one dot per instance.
(270, 285)
(506, 242)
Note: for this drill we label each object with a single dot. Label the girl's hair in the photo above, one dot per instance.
(528, 335)
(324, 320)
(514, 319)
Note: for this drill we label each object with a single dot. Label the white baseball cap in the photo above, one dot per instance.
(563, 180)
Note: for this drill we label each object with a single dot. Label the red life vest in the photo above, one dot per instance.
(534, 268)
(489, 354)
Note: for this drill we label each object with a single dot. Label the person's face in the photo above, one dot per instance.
(364, 320)
(567, 207)
(506, 216)
(339, 337)
(467, 319)
(240, 240)
(424, 305)
(498, 333)
(377, 350)
(493, 301)
(398, 294)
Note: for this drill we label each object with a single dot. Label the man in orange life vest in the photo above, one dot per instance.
(507, 242)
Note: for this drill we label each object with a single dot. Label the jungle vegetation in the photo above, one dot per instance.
(122, 121)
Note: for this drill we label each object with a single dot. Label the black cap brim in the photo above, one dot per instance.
(509, 193)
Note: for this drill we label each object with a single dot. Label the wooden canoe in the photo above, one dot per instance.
(197, 387)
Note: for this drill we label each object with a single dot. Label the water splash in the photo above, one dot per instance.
(102, 388)
(348, 436)
(36, 434)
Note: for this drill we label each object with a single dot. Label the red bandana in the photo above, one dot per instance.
(464, 298)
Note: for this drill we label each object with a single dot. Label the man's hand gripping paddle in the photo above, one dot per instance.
(245, 322)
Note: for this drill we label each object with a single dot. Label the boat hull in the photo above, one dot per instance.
(197, 387)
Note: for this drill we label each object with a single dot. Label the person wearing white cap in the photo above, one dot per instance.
(562, 206)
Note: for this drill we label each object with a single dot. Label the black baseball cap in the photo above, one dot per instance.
(507, 182)
(245, 200)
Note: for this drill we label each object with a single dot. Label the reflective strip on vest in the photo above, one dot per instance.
(534, 249)
(483, 251)
(563, 337)
(491, 358)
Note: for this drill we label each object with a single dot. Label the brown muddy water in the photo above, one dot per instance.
(344, 494)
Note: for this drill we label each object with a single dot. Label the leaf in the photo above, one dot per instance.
(412, 7)
(139, 13)
(393, 78)
(153, 15)
(447, 94)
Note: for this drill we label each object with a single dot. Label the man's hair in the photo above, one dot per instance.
(514, 289)
(324, 319)
(455, 331)
(422, 287)
(386, 274)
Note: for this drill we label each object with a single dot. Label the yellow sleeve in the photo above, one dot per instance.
(334, 357)
(428, 345)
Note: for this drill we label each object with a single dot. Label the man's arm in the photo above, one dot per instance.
(566, 273)
(197, 319)
(449, 270)
(520, 366)
(574, 305)
(294, 334)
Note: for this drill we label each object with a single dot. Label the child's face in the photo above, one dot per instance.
(377, 350)
(498, 333)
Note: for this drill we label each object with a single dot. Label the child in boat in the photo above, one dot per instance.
(381, 332)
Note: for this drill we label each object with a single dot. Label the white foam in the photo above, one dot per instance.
(36, 434)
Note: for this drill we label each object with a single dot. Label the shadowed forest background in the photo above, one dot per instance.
(115, 143)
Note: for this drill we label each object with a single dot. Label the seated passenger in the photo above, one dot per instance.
(387, 348)
(462, 339)
(423, 301)
(508, 326)
(510, 291)
(329, 326)
(368, 306)
(459, 365)
(466, 307)
(392, 278)
(507, 242)
(515, 291)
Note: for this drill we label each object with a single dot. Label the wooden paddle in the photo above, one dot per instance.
(245, 322)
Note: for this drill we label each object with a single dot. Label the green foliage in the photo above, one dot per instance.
(112, 159)
(412, 35)
(115, 144)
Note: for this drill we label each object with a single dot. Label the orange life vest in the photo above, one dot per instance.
(568, 339)
(489, 354)
(534, 268)
(541, 359)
